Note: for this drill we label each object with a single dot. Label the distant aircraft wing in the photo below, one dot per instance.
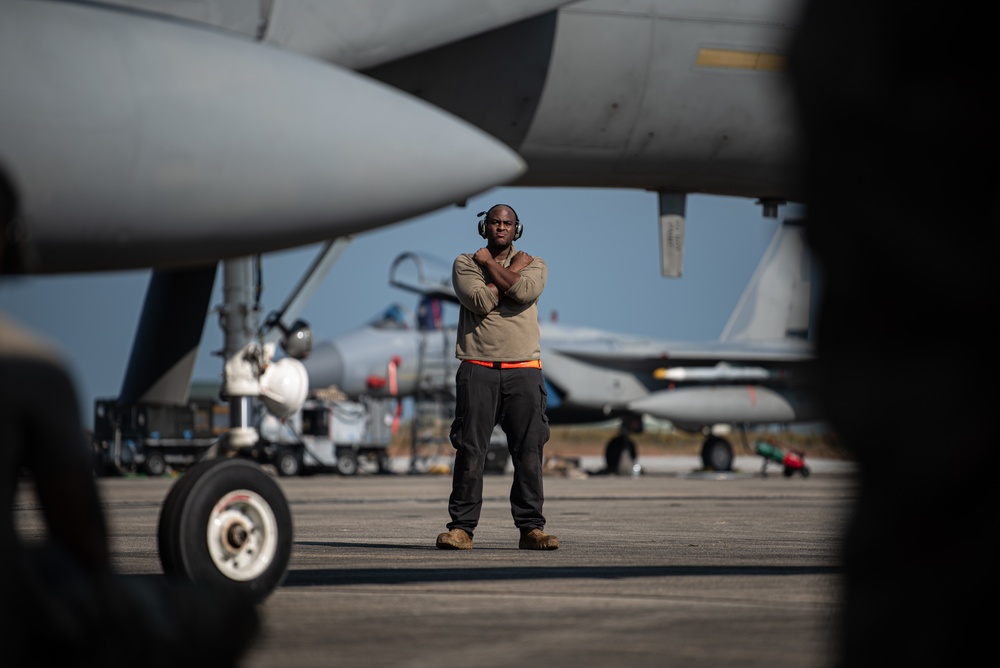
(632, 353)
(704, 353)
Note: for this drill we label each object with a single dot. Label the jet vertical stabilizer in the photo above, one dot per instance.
(775, 303)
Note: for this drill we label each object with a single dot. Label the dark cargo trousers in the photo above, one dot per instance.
(516, 400)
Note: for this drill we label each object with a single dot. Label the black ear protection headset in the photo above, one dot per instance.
(518, 228)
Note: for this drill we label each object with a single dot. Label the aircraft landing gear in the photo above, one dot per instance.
(226, 524)
(620, 455)
(717, 454)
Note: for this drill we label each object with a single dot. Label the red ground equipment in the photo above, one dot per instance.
(792, 460)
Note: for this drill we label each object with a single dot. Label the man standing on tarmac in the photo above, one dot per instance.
(499, 381)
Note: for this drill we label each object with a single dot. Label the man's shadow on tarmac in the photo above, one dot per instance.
(334, 577)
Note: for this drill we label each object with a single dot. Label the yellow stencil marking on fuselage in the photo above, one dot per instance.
(740, 60)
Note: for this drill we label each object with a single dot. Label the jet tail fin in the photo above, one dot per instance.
(424, 274)
(775, 303)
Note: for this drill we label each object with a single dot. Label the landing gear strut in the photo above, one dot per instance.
(226, 523)
(620, 453)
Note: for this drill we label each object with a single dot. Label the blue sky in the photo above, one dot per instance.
(602, 248)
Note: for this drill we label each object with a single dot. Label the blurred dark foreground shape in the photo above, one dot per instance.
(61, 603)
(901, 138)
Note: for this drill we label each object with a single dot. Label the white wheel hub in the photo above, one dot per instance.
(242, 535)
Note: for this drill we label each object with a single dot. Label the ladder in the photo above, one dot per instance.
(433, 401)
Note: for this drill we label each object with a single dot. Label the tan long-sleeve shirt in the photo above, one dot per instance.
(498, 329)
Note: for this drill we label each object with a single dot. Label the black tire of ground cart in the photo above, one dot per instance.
(288, 462)
(347, 461)
(155, 464)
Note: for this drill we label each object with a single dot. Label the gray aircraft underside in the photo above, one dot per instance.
(150, 133)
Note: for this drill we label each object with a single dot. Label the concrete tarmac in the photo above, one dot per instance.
(673, 568)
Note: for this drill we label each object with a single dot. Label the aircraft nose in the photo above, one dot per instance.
(152, 143)
(325, 366)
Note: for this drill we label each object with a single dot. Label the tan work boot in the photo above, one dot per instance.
(456, 539)
(536, 539)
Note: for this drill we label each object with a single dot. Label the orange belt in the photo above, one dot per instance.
(530, 364)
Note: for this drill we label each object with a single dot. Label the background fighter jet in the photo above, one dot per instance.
(756, 373)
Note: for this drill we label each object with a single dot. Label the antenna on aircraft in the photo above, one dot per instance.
(770, 206)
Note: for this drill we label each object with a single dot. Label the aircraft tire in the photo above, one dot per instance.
(620, 455)
(169, 524)
(717, 454)
(228, 527)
